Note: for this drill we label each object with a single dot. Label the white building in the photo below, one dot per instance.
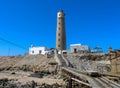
(79, 48)
(38, 50)
(62, 52)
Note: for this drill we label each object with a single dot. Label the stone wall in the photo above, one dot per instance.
(115, 64)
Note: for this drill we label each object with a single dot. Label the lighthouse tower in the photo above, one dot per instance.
(60, 33)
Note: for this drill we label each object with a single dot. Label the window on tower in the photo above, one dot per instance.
(59, 34)
(58, 39)
(58, 45)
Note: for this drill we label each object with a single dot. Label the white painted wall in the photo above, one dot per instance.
(62, 51)
(38, 50)
(79, 48)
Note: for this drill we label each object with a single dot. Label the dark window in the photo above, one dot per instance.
(58, 45)
(39, 51)
(75, 50)
(64, 52)
(32, 51)
(59, 23)
(59, 34)
(59, 28)
(58, 39)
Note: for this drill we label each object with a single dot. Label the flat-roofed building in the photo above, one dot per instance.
(79, 48)
(38, 50)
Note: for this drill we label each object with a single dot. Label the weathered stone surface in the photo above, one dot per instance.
(27, 63)
(5, 83)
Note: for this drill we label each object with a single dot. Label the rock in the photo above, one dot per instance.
(13, 73)
(5, 83)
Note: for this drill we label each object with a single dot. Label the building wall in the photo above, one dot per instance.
(37, 50)
(74, 48)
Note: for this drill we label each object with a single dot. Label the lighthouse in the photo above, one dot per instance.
(60, 31)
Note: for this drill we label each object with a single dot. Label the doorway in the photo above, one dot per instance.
(40, 51)
(75, 50)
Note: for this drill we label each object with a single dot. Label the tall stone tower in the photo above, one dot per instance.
(60, 33)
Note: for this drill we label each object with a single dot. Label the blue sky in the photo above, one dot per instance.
(90, 22)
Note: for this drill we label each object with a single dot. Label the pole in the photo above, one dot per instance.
(8, 51)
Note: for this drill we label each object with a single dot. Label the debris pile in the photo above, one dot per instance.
(12, 83)
(85, 63)
(27, 63)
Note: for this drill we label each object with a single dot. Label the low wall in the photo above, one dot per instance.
(115, 64)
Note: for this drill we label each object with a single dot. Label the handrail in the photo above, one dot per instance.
(66, 61)
(81, 82)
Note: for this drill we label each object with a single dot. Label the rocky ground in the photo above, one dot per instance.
(27, 63)
(12, 83)
(40, 71)
(29, 71)
(92, 63)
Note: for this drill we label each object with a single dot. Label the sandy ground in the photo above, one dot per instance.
(23, 77)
